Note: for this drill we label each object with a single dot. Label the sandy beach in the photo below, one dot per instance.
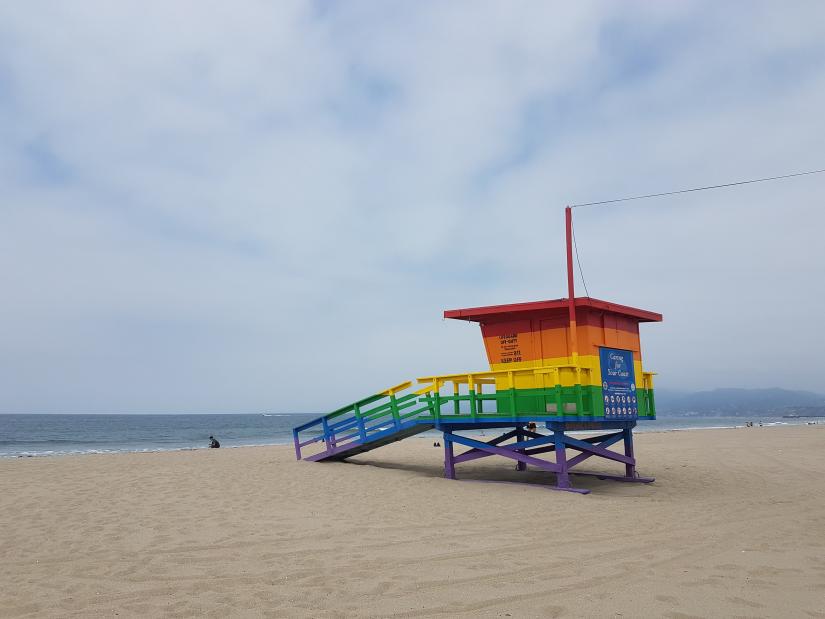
(734, 526)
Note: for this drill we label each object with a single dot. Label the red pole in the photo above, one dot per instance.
(571, 295)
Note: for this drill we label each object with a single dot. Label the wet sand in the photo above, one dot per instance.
(734, 526)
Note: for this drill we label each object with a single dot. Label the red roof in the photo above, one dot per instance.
(481, 314)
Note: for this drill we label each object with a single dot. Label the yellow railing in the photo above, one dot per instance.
(567, 375)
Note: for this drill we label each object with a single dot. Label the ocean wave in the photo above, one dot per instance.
(52, 441)
(80, 451)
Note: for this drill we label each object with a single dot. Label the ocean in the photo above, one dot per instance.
(48, 435)
(53, 435)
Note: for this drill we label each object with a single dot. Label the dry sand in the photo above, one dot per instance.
(733, 527)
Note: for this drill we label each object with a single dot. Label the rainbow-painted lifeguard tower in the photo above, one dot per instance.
(570, 364)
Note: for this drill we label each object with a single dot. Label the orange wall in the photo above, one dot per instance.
(546, 337)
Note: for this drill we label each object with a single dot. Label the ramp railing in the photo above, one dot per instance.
(367, 420)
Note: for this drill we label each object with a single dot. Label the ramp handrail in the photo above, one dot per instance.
(366, 420)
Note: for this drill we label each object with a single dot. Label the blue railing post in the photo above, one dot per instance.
(327, 434)
(297, 444)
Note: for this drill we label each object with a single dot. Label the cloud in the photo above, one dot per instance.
(265, 206)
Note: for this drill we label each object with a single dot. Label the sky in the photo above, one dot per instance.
(266, 206)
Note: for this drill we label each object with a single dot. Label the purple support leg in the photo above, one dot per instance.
(562, 477)
(520, 466)
(297, 444)
(630, 467)
(449, 458)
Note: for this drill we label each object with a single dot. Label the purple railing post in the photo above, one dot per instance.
(630, 469)
(297, 444)
(562, 477)
(449, 458)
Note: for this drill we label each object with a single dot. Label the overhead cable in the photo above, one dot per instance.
(671, 193)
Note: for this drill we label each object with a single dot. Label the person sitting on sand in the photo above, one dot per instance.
(213, 443)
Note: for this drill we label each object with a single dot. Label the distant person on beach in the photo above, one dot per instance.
(213, 443)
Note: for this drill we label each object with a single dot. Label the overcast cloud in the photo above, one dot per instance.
(254, 206)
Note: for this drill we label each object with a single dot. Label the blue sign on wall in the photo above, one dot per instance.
(618, 384)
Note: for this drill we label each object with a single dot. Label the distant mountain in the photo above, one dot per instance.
(735, 402)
